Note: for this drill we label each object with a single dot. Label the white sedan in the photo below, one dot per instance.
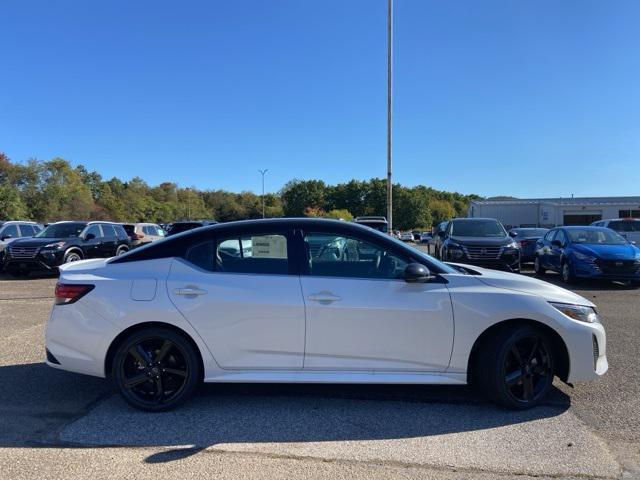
(309, 300)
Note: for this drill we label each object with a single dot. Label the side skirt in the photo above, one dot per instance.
(261, 376)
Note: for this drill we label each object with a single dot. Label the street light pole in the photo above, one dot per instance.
(389, 115)
(262, 172)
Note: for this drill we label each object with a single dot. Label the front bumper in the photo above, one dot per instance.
(587, 346)
(43, 260)
(623, 270)
(508, 261)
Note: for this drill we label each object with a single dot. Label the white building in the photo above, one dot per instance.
(551, 212)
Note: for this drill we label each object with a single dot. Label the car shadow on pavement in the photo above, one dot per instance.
(50, 408)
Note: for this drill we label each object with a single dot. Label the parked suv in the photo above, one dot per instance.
(141, 233)
(12, 230)
(65, 242)
(629, 228)
(480, 241)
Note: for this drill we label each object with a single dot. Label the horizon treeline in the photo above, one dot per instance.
(52, 190)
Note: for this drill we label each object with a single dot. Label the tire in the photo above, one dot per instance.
(121, 251)
(156, 369)
(567, 274)
(537, 266)
(515, 380)
(72, 256)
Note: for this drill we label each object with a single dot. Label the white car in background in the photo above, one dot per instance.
(314, 301)
(406, 236)
(14, 229)
(142, 233)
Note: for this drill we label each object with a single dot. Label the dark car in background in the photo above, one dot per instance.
(183, 226)
(527, 238)
(480, 241)
(12, 230)
(439, 238)
(588, 252)
(65, 242)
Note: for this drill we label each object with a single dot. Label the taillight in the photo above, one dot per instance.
(67, 293)
(139, 236)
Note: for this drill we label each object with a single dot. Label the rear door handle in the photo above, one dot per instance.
(324, 297)
(190, 291)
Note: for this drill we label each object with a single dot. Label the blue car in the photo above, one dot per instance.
(588, 252)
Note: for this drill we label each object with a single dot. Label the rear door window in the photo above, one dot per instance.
(263, 253)
(109, 231)
(10, 231)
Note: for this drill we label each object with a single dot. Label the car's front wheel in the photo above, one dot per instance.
(156, 369)
(121, 251)
(515, 367)
(72, 256)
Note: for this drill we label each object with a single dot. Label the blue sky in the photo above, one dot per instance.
(537, 98)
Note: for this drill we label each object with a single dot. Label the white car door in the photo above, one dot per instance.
(362, 315)
(238, 294)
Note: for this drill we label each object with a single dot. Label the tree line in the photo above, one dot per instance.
(52, 190)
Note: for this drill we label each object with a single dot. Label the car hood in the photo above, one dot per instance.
(533, 286)
(482, 241)
(608, 252)
(35, 242)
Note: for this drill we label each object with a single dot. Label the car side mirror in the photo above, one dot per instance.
(6, 237)
(416, 273)
(89, 236)
(513, 234)
(632, 242)
(556, 243)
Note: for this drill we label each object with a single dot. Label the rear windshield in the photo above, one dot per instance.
(625, 226)
(62, 230)
(477, 228)
(600, 236)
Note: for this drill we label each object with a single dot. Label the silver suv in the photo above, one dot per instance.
(10, 230)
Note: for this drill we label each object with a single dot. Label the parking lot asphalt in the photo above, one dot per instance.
(55, 424)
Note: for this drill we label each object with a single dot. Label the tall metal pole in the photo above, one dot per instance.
(389, 116)
(262, 172)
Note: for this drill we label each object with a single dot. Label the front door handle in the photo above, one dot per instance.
(324, 297)
(190, 291)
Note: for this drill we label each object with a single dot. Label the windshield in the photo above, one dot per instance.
(443, 267)
(477, 228)
(600, 236)
(625, 226)
(530, 232)
(62, 230)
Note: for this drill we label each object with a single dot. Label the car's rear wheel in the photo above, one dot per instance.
(515, 367)
(156, 369)
(537, 266)
(121, 251)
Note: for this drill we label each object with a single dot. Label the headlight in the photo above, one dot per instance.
(453, 245)
(577, 312)
(513, 246)
(583, 257)
(54, 245)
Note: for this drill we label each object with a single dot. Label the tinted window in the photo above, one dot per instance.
(93, 230)
(529, 232)
(130, 229)
(183, 227)
(333, 255)
(264, 253)
(28, 230)
(477, 228)
(10, 230)
(120, 232)
(624, 226)
(147, 230)
(108, 231)
(62, 230)
(549, 236)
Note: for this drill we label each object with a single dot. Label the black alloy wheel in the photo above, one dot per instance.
(516, 367)
(527, 369)
(156, 369)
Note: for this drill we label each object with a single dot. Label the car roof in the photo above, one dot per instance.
(582, 227)
(472, 219)
(7, 222)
